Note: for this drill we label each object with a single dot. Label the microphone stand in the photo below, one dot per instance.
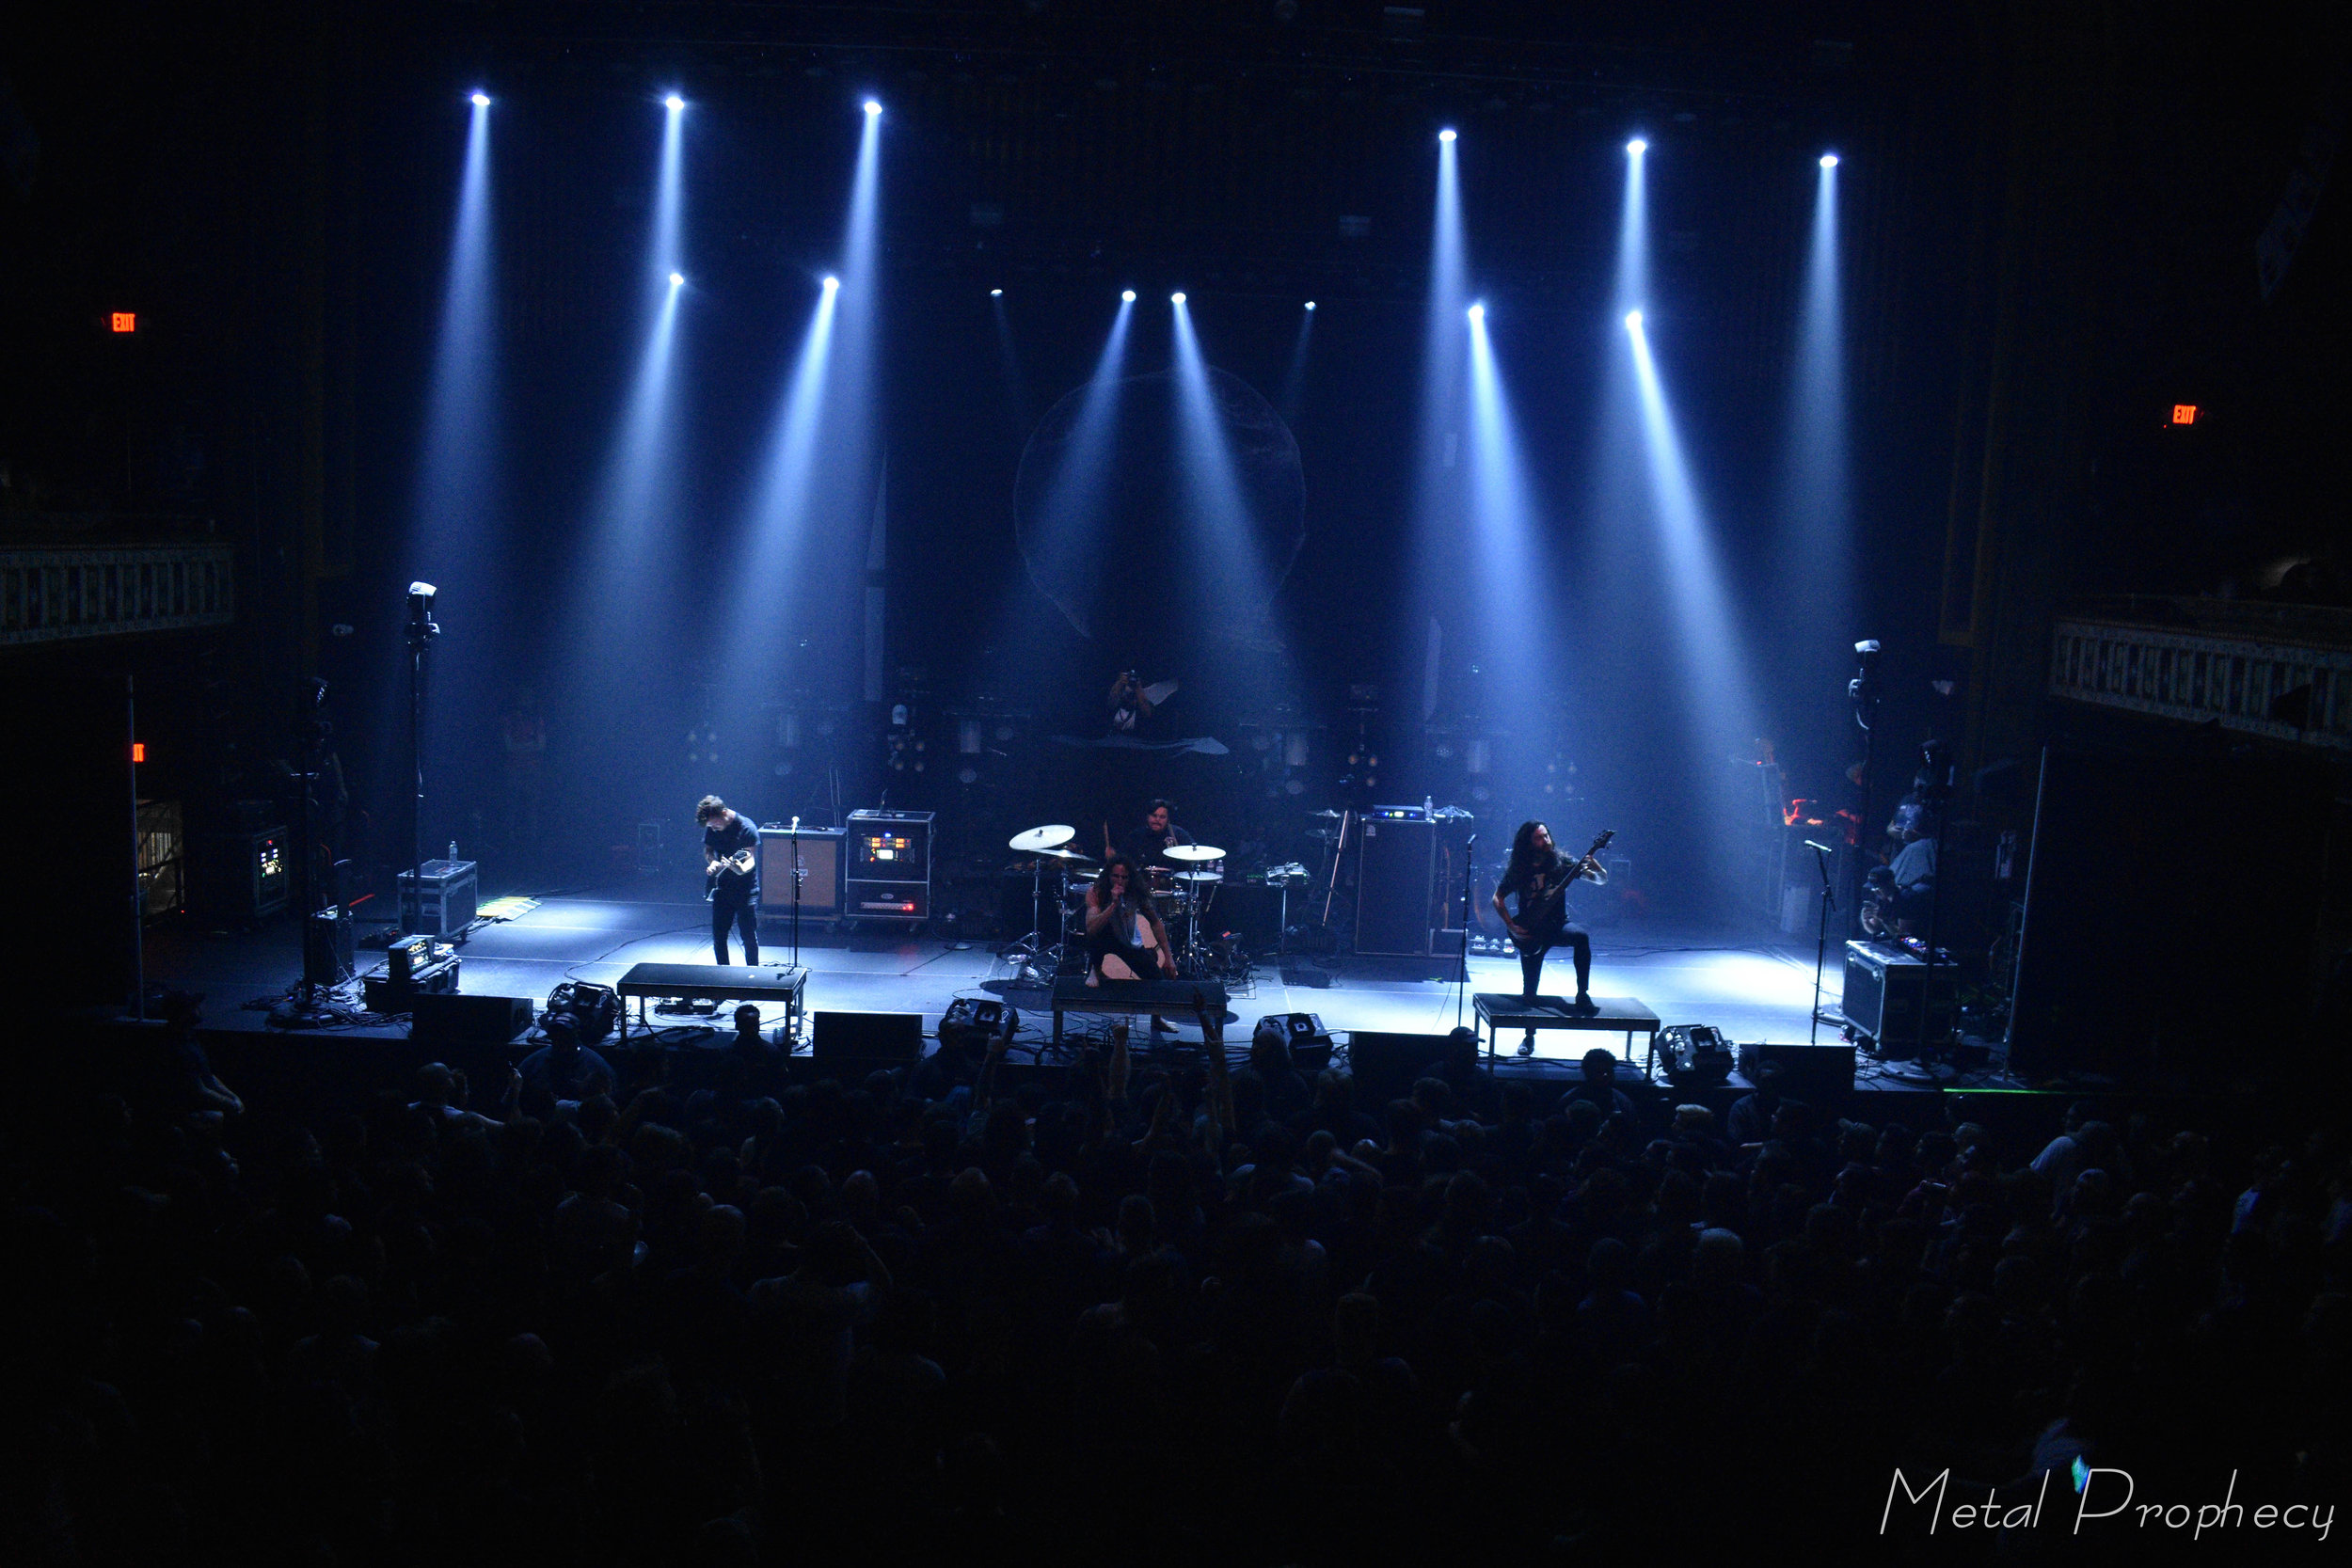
(1469, 878)
(795, 832)
(1821, 951)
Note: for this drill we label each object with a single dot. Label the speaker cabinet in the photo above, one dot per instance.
(866, 1037)
(1397, 864)
(820, 880)
(1812, 1073)
(1385, 1065)
(451, 1018)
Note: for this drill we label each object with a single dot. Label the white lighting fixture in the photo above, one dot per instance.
(1446, 134)
(1478, 312)
(673, 103)
(873, 106)
(677, 280)
(1128, 295)
(1637, 147)
(995, 294)
(1176, 298)
(1829, 160)
(1311, 305)
(481, 99)
(831, 283)
(1634, 321)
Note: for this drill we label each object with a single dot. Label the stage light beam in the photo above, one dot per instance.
(1829, 160)
(1637, 147)
(481, 99)
(1446, 135)
(673, 103)
(1176, 298)
(1127, 296)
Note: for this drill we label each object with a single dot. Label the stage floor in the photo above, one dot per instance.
(1753, 992)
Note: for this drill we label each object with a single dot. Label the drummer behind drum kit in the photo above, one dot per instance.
(1181, 895)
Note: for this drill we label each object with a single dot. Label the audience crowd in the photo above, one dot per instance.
(671, 1308)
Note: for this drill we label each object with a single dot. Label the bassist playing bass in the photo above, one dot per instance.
(731, 864)
(1540, 875)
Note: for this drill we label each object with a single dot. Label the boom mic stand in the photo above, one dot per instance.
(1821, 951)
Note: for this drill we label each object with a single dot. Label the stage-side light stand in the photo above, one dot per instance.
(1821, 951)
(1863, 690)
(1935, 798)
(138, 899)
(420, 631)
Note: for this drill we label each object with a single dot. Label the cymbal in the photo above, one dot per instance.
(1325, 812)
(1200, 876)
(1065, 857)
(1193, 852)
(1052, 836)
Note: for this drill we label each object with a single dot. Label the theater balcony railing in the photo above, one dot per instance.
(2279, 671)
(57, 593)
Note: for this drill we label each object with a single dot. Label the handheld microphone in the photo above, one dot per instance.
(1822, 847)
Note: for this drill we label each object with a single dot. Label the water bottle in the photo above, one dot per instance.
(453, 852)
(1428, 808)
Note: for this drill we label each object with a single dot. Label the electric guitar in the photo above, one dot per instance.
(1541, 915)
(727, 870)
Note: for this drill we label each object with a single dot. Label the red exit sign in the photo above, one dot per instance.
(2185, 413)
(122, 321)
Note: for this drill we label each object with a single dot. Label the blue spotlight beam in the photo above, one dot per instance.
(457, 536)
(1438, 492)
(818, 479)
(1721, 705)
(1214, 483)
(1633, 228)
(455, 481)
(1080, 483)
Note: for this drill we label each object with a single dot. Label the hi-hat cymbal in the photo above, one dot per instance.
(1052, 836)
(1199, 878)
(1193, 852)
(1065, 857)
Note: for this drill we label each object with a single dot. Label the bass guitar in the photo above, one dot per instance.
(1541, 915)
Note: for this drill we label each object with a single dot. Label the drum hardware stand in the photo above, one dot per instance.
(1032, 957)
(1029, 945)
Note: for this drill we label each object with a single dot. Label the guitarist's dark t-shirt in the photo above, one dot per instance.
(737, 835)
(1536, 878)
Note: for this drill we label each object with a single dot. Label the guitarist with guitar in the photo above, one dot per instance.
(1540, 875)
(731, 870)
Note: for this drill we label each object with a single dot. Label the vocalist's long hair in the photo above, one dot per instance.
(1134, 902)
(1524, 857)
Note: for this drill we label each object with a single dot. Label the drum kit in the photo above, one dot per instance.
(1183, 894)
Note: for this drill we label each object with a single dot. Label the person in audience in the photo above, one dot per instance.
(559, 1075)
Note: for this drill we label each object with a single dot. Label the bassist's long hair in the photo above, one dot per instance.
(1524, 854)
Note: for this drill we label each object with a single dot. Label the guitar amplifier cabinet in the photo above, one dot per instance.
(1884, 985)
(1396, 867)
(820, 859)
(889, 867)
